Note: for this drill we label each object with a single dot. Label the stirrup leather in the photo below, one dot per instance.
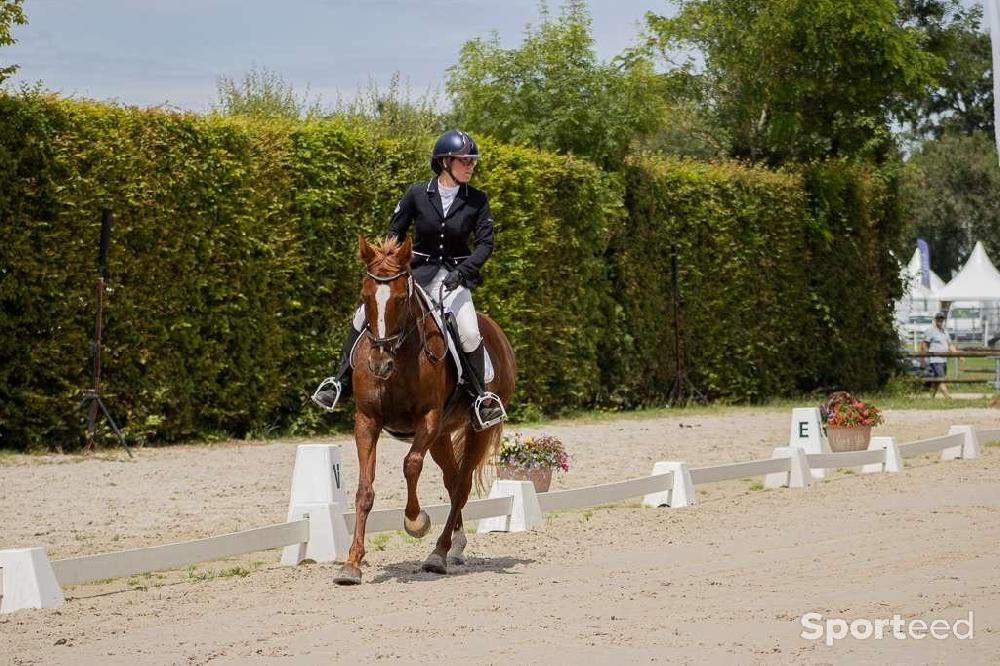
(477, 418)
(329, 386)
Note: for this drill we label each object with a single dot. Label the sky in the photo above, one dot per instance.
(171, 52)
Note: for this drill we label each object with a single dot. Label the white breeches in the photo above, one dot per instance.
(458, 301)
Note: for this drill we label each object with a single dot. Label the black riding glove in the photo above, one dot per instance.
(454, 280)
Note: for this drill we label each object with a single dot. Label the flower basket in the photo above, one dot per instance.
(848, 439)
(527, 458)
(848, 422)
(540, 477)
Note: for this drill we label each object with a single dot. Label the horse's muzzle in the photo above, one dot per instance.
(381, 367)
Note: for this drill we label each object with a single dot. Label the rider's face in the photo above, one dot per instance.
(462, 168)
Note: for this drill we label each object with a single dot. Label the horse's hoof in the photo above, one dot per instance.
(456, 555)
(348, 575)
(435, 564)
(419, 527)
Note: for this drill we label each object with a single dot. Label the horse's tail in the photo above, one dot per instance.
(483, 446)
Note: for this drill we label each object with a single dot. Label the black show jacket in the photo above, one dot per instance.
(444, 241)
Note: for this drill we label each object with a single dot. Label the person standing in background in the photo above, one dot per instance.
(937, 339)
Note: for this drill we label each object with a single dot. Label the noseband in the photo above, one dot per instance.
(390, 344)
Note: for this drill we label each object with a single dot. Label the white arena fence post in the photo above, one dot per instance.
(681, 494)
(798, 474)
(525, 513)
(970, 444)
(318, 494)
(27, 581)
(893, 460)
(806, 433)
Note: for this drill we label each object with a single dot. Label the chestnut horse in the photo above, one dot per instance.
(403, 379)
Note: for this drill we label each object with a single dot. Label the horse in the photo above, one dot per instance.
(403, 383)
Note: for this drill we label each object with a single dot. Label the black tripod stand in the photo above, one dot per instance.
(93, 395)
(682, 391)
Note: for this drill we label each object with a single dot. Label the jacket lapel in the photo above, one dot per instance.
(435, 197)
(459, 200)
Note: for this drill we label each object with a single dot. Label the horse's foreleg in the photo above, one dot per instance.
(366, 431)
(416, 522)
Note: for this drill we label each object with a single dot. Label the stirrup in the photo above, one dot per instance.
(477, 418)
(330, 386)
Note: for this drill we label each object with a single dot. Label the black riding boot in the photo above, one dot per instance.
(332, 389)
(491, 409)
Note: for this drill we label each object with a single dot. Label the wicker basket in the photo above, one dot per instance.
(848, 439)
(541, 478)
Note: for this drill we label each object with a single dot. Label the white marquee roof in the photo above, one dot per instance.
(979, 280)
(911, 279)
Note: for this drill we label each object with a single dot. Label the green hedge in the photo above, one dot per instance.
(233, 270)
(740, 272)
(785, 280)
(195, 335)
(233, 265)
(853, 278)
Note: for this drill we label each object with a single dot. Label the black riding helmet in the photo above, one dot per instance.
(453, 143)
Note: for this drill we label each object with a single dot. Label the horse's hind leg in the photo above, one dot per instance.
(477, 446)
(444, 455)
(456, 554)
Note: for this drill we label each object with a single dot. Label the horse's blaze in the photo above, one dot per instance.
(382, 293)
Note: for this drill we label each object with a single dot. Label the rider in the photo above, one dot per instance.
(444, 212)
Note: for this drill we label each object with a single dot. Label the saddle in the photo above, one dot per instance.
(465, 382)
(450, 331)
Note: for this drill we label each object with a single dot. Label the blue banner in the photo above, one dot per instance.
(925, 262)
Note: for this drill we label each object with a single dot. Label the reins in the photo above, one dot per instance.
(423, 335)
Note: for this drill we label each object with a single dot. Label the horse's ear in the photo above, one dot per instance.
(365, 250)
(405, 252)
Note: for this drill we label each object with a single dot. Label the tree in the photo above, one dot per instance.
(552, 93)
(962, 100)
(952, 188)
(262, 93)
(794, 80)
(11, 14)
(395, 110)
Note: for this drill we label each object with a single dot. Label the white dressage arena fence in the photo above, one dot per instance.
(319, 525)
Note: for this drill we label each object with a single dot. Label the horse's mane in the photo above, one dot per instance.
(387, 259)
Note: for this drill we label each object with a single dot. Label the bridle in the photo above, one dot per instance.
(390, 344)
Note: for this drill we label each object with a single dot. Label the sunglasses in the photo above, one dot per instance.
(466, 161)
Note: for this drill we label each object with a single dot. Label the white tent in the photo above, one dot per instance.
(979, 280)
(917, 299)
(914, 285)
(976, 285)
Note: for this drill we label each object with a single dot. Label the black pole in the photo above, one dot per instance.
(682, 391)
(102, 253)
(675, 292)
(93, 395)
